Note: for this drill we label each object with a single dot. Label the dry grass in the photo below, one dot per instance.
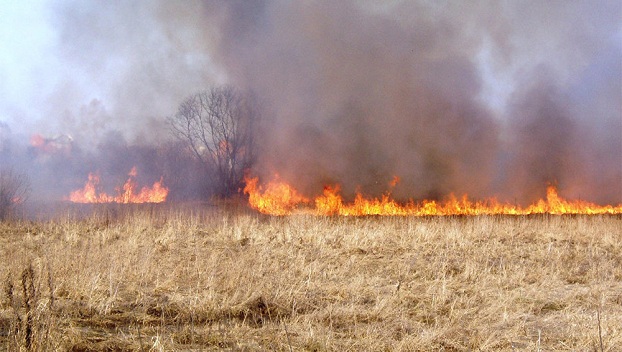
(173, 281)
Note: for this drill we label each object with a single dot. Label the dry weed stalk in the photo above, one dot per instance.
(30, 319)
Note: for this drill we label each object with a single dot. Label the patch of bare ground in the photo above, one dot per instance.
(176, 281)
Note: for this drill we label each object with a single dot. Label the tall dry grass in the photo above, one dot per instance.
(166, 280)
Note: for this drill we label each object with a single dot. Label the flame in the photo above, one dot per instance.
(37, 140)
(279, 198)
(394, 181)
(92, 193)
(42, 146)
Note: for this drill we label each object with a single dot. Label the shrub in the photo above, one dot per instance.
(14, 189)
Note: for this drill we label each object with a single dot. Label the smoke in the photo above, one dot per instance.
(135, 61)
(111, 75)
(487, 98)
(363, 91)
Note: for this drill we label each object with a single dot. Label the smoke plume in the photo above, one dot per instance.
(487, 98)
(363, 91)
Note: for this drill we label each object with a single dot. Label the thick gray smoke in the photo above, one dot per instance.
(363, 91)
(489, 98)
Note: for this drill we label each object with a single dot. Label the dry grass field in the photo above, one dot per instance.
(164, 280)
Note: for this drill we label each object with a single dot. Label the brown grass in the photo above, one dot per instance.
(156, 281)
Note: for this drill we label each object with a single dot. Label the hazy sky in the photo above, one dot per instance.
(28, 70)
(39, 81)
(41, 77)
(82, 68)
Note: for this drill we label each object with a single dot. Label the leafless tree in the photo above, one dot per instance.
(219, 126)
(14, 189)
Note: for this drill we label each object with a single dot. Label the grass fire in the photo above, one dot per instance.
(276, 175)
(278, 198)
(128, 193)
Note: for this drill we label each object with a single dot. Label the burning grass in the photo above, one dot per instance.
(279, 198)
(128, 193)
(168, 280)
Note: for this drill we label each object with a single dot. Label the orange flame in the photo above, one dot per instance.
(43, 146)
(92, 193)
(279, 198)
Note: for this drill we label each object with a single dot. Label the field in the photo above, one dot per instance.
(154, 279)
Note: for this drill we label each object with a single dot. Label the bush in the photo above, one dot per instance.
(14, 189)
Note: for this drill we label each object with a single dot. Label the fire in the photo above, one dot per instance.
(92, 193)
(42, 146)
(279, 198)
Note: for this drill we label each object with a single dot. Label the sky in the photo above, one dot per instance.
(483, 97)
(60, 75)
(34, 66)
(33, 69)
(26, 39)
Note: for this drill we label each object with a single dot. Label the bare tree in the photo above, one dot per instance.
(219, 127)
(14, 189)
